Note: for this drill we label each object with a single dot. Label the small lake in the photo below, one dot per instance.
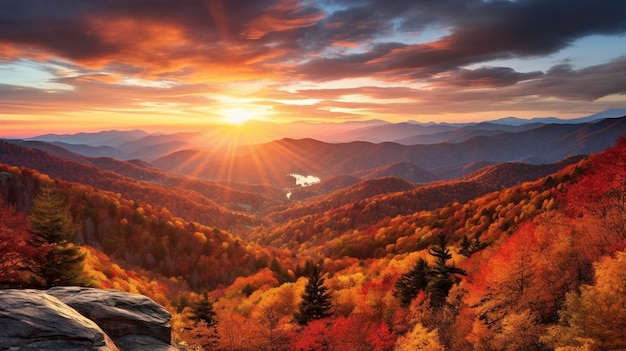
(305, 180)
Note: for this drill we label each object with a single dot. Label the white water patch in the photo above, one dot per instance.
(305, 180)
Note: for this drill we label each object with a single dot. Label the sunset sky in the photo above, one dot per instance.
(69, 65)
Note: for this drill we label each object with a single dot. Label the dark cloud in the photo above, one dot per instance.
(56, 28)
(586, 84)
(168, 35)
(482, 31)
(151, 37)
(484, 77)
(346, 66)
(486, 89)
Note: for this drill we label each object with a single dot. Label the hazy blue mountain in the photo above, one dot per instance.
(610, 113)
(111, 138)
(464, 133)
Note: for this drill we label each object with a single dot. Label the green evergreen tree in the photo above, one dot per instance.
(441, 275)
(470, 246)
(281, 274)
(203, 311)
(412, 282)
(205, 326)
(315, 299)
(52, 226)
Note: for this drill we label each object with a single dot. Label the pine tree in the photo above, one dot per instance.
(204, 331)
(52, 227)
(412, 282)
(470, 246)
(315, 299)
(441, 279)
(203, 311)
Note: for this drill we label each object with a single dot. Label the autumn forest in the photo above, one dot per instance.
(495, 256)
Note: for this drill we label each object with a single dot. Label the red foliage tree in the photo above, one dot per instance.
(382, 338)
(16, 249)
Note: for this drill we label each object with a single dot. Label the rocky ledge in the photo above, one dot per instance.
(74, 318)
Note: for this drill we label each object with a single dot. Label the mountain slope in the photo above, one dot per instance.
(52, 149)
(361, 206)
(269, 163)
(185, 203)
(404, 170)
(505, 175)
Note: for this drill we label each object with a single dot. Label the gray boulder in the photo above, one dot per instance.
(34, 320)
(118, 313)
(75, 318)
(134, 342)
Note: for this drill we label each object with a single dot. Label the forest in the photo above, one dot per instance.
(505, 259)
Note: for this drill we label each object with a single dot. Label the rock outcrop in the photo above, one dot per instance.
(74, 318)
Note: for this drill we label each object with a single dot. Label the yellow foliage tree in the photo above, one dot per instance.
(597, 315)
(419, 339)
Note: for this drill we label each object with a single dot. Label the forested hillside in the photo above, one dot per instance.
(193, 198)
(387, 265)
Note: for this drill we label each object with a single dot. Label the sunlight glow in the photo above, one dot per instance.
(236, 115)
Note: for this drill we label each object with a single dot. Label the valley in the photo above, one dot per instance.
(532, 214)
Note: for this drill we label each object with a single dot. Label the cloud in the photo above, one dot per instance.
(178, 53)
(154, 38)
(586, 84)
(197, 36)
(484, 77)
(479, 31)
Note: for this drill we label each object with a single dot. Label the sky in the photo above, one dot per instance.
(76, 65)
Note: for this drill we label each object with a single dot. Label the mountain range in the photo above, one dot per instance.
(138, 144)
(532, 215)
(418, 153)
(418, 163)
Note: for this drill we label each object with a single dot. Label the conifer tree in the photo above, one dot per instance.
(412, 282)
(203, 310)
(204, 331)
(315, 299)
(52, 227)
(470, 246)
(441, 275)
(436, 281)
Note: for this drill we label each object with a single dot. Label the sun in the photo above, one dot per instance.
(236, 115)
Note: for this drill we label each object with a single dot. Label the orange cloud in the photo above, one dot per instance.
(286, 15)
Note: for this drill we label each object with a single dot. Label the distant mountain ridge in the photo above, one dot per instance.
(270, 162)
(610, 113)
(138, 144)
(106, 137)
(466, 149)
(123, 145)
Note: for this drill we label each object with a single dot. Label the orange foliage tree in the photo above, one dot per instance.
(16, 249)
